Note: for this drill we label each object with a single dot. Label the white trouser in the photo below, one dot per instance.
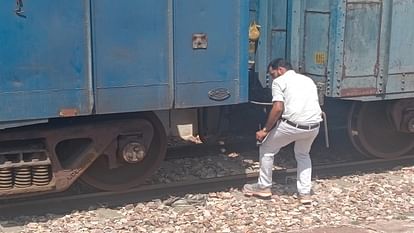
(280, 136)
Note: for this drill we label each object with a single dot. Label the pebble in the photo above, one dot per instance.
(356, 200)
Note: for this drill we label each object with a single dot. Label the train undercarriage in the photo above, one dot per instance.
(119, 152)
(383, 129)
(110, 154)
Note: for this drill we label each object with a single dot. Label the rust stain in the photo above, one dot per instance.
(358, 91)
(68, 112)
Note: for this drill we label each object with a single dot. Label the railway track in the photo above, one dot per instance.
(66, 204)
(244, 142)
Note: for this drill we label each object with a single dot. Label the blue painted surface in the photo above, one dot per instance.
(273, 19)
(401, 51)
(131, 55)
(316, 41)
(223, 64)
(43, 55)
(358, 49)
(101, 56)
(362, 31)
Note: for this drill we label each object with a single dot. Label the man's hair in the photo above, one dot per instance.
(279, 62)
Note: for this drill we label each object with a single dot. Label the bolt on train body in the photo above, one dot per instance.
(91, 89)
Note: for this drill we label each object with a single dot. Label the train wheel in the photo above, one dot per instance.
(372, 133)
(129, 174)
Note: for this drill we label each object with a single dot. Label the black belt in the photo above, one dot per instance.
(307, 127)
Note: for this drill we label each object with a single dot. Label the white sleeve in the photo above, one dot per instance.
(277, 92)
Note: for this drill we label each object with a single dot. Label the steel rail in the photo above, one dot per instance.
(66, 204)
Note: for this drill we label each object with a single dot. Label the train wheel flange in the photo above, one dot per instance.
(372, 132)
(134, 162)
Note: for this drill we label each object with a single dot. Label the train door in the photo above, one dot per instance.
(360, 29)
(316, 40)
(44, 56)
(374, 52)
(132, 55)
(210, 52)
(401, 48)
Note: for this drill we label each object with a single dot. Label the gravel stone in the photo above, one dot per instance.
(362, 201)
(356, 203)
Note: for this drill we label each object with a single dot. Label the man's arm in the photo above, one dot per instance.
(274, 115)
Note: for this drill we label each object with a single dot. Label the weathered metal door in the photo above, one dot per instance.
(401, 49)
(43, 59)
(377, 49)
(361, 38)
(316, 39)
(132, 55)
(210, 52)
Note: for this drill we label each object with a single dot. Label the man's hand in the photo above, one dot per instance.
(260, 135)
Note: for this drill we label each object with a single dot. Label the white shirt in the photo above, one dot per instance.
(300, 97)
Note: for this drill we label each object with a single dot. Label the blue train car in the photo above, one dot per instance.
(81, 82)
(89, 88)
(358, 51)
(97, 57)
